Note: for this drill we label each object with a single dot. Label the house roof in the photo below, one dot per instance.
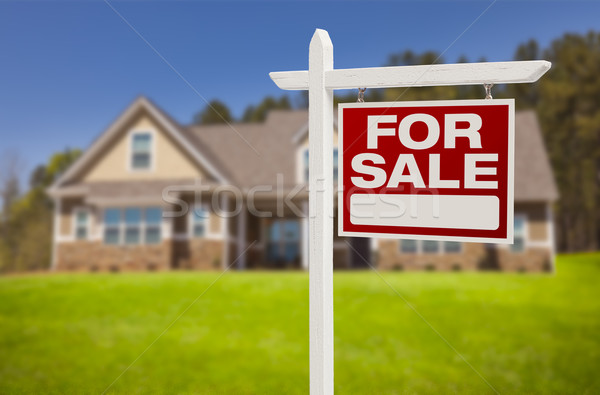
(253, 153)
(256, 154)
(534, 180)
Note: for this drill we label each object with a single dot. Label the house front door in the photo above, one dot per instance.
(283, 244)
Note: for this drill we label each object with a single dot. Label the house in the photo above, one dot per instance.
(151, 194)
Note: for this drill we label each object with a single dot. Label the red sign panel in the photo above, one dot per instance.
(439, 170)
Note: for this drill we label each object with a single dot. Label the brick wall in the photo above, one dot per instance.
(97, 256)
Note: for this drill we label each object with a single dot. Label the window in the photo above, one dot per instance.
(81, 224)
(152, 221)
(199, 222)
(112, 226)
(283, 244)
(141, 147)
(519, 234)
(133, 224)
(335, 164)
(452, 246)
(305, 164)
(431, 246)
(408, 246)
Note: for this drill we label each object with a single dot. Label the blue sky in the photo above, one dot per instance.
(68, 68)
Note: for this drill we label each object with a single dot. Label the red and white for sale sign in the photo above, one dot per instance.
(440, 170)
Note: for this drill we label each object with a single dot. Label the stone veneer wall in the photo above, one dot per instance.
(203, 254)
(533, 259)
(97, 256)
(474, 256)
(390, 258)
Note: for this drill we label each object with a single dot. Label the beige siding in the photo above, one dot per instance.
(66, 216)
(215, 222)
(537, 224)
(335, 139)
(169, 161)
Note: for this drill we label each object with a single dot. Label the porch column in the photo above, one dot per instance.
(56, 232)
(304, 236)
(226, 234)
(241, 237)
(551, 237)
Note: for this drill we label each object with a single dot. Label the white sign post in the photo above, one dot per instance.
(320, 80)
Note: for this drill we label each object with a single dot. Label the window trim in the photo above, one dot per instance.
(146, 225)
(460, 247)
(88, 225)
(130, 152)
(139, 226)
(438, 251)
(525, 233)
(305, 165)
(417, 245)
(336, 161)
(192, 223)
(421, 251)
(118, 226)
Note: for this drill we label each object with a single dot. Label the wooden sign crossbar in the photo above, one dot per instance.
(419, 76)
(321, 79)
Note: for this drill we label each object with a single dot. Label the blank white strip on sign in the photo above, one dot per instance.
(427, 211)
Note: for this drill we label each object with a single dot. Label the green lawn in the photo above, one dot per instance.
(249, 332)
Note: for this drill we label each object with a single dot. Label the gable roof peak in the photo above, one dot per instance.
(140, 103)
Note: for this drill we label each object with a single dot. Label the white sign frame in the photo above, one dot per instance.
(433, 103)
(320, 80)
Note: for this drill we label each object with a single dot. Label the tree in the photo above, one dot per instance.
(214, 112)
(259, 113)
(527, 95)
(10, 166)
(568, 102)
(10, 193)
(410, 58)
(27, 229)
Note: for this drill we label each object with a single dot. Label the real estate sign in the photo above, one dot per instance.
(440, 170)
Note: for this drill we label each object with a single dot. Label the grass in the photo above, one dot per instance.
(249, 332)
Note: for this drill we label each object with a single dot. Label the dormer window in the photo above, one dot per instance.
(305, 164)
(141, 151)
